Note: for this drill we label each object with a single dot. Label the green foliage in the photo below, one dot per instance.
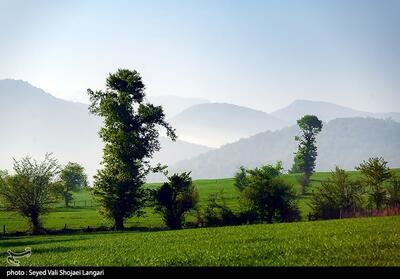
(298, 165)
(337, 196)
(306, 155)
(3, 174)
(130, 133)
(394, 192)
(73, 178)
(84, 212)
(269, 196)
(175, 198)
(29, 191)
(240, 178)
(375, 173)
(217, 213)
(346, 242)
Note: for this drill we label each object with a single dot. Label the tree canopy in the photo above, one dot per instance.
(130, 133)
(306, 154)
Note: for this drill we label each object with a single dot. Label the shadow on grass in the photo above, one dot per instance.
(15, 242)
(84, 231)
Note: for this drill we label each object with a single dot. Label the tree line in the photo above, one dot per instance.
(130, 132)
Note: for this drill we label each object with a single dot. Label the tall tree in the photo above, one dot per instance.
(375, 173)
(73, 178)
(306, 153)
(130, 134)
(29, 191)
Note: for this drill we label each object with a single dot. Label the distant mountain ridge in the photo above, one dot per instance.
(215, 124)
(173, 105)
(33, 122)
(326, 111)
(344, 142)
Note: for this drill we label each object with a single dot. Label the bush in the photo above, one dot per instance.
(394, 192)
(337, 196)
(175, 198)
(375, 173)
(268, 197)
(240, 178)
(217, 213)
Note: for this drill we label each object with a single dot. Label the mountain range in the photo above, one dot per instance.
(326, 111)
(214, 138)
(173, 105)
(33, 122)
(345, 142)
(215, 124)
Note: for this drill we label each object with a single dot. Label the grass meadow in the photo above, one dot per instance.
(84, 214)
(345, 242)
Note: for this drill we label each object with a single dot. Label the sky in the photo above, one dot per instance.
(260, 54)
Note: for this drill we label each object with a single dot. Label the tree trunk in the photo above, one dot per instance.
(118, 223)
(35, 223)
(175, 225)
(305, 183)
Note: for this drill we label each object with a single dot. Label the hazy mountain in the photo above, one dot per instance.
(215, 124)
(174, 105)
(344, 142)
(33, 122)
(326, 111)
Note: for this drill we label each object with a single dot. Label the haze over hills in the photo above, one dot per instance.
(174, 105)
(33, 122)
(325, 111)
(215, 124)
(344, 142)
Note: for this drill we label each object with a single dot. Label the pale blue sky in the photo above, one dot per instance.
(261, 54)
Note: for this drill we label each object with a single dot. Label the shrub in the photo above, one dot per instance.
(374, 174)
(240, 178)
(267, 196)
(337, 196)
(217, 213)
(175, 198)
(394, 192)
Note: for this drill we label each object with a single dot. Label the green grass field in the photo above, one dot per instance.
(346, 242)
(81, 216)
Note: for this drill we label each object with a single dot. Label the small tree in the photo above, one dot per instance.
(29, 191)
(130, 133)
(337, 196)
(240, 178)
(175, 198)
(73, 178)
(268, 196)
(306, 155)
(375, 173)
(394, 192)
